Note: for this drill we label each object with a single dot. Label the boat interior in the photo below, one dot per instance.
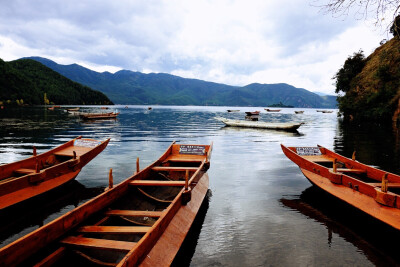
(106, 237)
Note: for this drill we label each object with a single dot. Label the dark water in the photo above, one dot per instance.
(261, 210)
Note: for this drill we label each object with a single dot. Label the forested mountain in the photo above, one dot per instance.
(128, 87)
(30, 80)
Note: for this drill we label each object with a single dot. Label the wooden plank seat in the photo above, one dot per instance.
(98, 243)
(24, 171)
(135, 213)
(156, 183)
(186, 158)
(168, 168)
(114, 229)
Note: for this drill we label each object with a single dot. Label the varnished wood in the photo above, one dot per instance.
(352, 183)
(156, 183)
(167, 168)
(77, 228)
(98, 243)
(22, 180)
(114, 229)
(134, 213)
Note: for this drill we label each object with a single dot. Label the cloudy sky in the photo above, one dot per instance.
(236, 42)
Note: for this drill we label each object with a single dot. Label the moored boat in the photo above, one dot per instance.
(251, 113)
(73, 109)
(299, 111)
(327, 111)
(98, 116)
(272, 110)
(371, 190)
(286, 126)
(141, 221)
(22, 180)
(233, 110)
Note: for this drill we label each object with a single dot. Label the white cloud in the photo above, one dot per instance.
(227, 41)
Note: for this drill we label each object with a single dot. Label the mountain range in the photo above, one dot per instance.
(136, 88)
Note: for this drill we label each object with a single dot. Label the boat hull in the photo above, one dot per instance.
(260, 125)
(21, 180)
(144, 215)
(365, 196)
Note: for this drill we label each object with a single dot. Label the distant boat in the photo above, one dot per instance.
(251, 113)
(27, 178)
(272, 110)
(149, 108)
(73, 109)
(233, 110)
(104, 107)
(299, 112)
(327, 111)
(97, 116)
(286, 126)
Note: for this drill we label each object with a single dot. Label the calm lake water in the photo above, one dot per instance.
(261, 211)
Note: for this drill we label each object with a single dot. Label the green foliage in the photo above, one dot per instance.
(395, 28)
(36, 83)
(352, 66)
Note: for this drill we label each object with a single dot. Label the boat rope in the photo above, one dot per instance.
(135, 222)
(154, 198)
(96, 261)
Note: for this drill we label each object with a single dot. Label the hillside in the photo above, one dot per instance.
(29, 80)
(128, 87)
(373, 91)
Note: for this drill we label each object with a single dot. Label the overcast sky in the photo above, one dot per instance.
(232, 42)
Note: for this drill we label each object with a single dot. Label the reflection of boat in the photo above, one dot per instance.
(250, 113)
(371, 190)
(286, 126)
(337, 216)
(272, 110)
(33, 176)
(233, 110)
(299, 111)
(142, 220)
(96, 116)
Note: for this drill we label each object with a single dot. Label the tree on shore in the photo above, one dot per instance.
(379, 10)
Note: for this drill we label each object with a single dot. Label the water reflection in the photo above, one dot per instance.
(251, 219)
(376, 145)
(373, 238)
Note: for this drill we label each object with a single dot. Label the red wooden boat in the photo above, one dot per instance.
(33, 176)
(141, 221)
(251, 113)
(371, 190)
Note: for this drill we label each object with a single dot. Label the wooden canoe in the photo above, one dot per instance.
(371, 190)
(285, 126)
(33, 176)
(141, 221)
(98, 116)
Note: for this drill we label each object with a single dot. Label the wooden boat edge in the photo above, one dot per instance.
(362, 201)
